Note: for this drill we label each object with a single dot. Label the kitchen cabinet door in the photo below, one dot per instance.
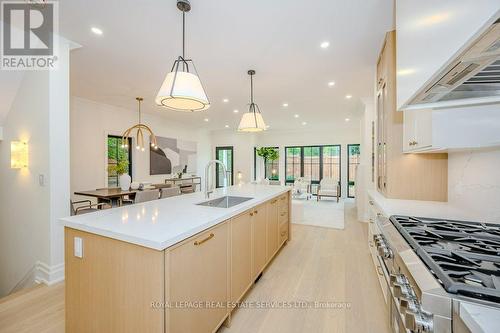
(417, 130)
(272, 228)
(259, 239)
(198, 273)
(241, 255)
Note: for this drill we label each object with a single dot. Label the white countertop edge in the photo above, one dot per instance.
(480, 319)
(420, 208)
(160, 246)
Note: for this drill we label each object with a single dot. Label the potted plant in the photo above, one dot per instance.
(267, 154)
(121, 169)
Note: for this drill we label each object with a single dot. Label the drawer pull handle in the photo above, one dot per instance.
(255, 211)
(283, 233)
(379, 270)
(274, 201)
(251, 214)
(283, 198)
(204, 239)
(283, 214)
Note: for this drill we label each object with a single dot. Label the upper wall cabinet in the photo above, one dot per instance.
(438, 42)
(460, 128)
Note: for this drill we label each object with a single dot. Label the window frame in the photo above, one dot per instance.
(217, 149)
(130, 164)
(321, 168)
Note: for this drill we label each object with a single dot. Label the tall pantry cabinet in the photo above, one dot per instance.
(399, 175)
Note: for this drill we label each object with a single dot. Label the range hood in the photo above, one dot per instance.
(472, 78)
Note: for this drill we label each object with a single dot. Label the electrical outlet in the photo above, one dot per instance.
(78, 247)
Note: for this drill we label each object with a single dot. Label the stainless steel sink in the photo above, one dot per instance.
(224, 202)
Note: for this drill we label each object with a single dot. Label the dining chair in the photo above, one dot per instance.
(168, 192)
(274, 182)
(146, 195)
(86, 206)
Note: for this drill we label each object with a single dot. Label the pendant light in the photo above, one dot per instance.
(182, 89)
(139, 137)
(252, 120)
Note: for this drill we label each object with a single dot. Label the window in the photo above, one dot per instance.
(331, 162)
(225, 155)
(293, 163)
(312, 162)
(115, 154)
(353, 155)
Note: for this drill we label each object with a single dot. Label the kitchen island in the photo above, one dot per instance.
(171, 265)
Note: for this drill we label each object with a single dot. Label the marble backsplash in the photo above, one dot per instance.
(474, 182)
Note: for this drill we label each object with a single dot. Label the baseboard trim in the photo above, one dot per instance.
(49, 275)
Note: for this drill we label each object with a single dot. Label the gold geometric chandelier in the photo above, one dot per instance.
(139, 137)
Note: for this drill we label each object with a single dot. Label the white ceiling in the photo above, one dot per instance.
(279, 39)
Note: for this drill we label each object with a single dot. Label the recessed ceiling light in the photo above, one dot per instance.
(296, 115)
(227, 126)
(347, 119)
(267, 126)
(236, 111)
(285, 105)
(324, 44)
(348, 96)
(97, 31)
(225, 100)
(331, 83)
(304, 123)
(206, 119)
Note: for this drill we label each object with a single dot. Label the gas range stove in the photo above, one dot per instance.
(463, 256)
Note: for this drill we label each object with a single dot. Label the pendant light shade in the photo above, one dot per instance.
(252, 121)
(182, 89)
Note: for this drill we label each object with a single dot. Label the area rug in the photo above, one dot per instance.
(323, 213)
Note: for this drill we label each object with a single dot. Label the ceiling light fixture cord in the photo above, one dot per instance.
(183, 37)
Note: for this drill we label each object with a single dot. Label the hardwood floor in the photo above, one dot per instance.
(40, 309)
(325, 265)
(319, 264)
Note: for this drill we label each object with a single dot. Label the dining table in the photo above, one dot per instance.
(113, 195)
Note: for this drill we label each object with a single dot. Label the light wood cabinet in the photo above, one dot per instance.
(241, 255)
(197, 273)
(122, 287)
(272, 228)
(400, 175)
(259, 240)
(111, 288)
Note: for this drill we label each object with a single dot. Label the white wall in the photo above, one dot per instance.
(474, 182)
(244, 143)
(31, 243)
(92, 122)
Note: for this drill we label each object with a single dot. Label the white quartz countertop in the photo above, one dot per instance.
(480, 319)
(162, 223)
(433, 209)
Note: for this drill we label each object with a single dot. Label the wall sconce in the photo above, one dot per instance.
(18, 155)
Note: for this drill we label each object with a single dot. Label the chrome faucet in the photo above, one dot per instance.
(207, 168)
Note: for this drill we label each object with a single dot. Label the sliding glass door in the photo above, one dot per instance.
(313, 163)
(225, 155)
(353, 155)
